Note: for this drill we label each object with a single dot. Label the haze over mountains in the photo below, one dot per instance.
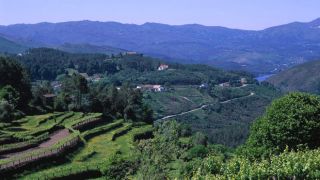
(259, 52)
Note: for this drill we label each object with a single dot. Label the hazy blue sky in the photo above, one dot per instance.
(244, 14)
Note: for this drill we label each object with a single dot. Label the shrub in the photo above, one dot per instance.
(293, 121)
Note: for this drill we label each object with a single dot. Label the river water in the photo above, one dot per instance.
(263, 77)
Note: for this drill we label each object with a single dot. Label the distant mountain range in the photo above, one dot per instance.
(304, 77)
(259, 52)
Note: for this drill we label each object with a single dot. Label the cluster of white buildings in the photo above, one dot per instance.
(152, 88)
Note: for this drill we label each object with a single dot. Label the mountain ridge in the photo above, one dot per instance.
(259, 52)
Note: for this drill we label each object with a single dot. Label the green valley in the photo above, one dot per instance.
(130, 116)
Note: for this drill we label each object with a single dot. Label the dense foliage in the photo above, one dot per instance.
(291, 121)
(48, 64)
(228, 122)
(287, 165)
(289, 128)
(14, 75)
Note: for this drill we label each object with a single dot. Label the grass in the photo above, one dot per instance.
(100, 144)
(102, 129)
(97, 151)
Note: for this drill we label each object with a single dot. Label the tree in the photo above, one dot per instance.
(155, 154)
(6, 111)
(199, 139)
(13, 74)
(292, 121)
(38, 91)
(74, 87)
(9, 94)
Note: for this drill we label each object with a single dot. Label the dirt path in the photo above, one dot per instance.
(186, 99)
(53, 139)
(201, 107)
(251, 94)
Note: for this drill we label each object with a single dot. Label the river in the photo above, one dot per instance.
(263, 77)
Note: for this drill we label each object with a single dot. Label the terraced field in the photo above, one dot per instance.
(84, 144)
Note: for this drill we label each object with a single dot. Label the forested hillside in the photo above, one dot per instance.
(184, 88)
(109, 128)
(88, 48)
(7, 46)
(305, 77)
(47, 64)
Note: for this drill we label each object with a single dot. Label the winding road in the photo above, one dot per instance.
(203, 106)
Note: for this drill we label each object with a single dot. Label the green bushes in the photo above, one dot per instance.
(293, 121)
(197, 151)
(143, 135)
(121, 132)
(287, 165)
(68, 171)
(102, 129)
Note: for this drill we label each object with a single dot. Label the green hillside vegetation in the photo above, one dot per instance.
(222, 123)
(88, 48)
(283, 144)
(7, 46)
(99, 130)
(48, 64)
(201, 124)
(172, 152)
(303, 78)
(98, 146)
(226, 119)
(176, 99)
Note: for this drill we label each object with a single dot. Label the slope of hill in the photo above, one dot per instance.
(7, 46)
(304, 77)
(257, 51)
(52, 135)
(88, 48)
(181, 88)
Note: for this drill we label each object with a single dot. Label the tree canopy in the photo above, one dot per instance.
(292, 121)
(14, 75)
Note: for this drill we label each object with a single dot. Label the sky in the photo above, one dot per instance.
(240, 14)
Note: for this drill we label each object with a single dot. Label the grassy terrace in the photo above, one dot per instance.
(100, 143)
(32, 130)
(97, 152)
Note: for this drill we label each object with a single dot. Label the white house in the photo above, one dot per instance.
(163, 67)
(149, 87)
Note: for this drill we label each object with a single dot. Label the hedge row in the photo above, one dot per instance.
(143, 135)
(121, 132)
(11, 148)
(102, 129)
(33, 156)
